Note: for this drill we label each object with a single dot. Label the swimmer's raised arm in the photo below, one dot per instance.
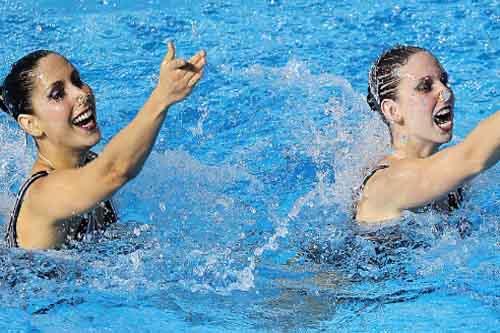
(483, 144)
(72, 191)
(413, 183)
(409, 88)
(124, 156)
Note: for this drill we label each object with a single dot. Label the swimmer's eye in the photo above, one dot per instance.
(425, 85)
(57, 92)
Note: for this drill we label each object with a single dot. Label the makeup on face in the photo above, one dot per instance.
(428, 85)
(61, 86)
(57, 89)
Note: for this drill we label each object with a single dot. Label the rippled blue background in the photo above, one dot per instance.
(240, 220)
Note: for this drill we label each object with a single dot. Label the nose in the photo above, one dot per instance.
(82, 99)
(445, 94)
(81, 93)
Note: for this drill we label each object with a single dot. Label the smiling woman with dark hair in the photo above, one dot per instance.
(69, 190)
(409, 88)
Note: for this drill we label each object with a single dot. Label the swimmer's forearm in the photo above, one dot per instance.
(123, 158)
(126, 153)
(482, 145)
(421, 181)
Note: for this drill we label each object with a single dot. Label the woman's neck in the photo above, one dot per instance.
(60, 159)
(406, 147)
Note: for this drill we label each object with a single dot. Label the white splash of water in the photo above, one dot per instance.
(351, 146)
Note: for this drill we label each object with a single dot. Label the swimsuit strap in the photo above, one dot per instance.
(370, 175)
(362, 187)
(11, 236)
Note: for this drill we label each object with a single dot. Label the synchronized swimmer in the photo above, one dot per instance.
(409, 88)
(69, 191)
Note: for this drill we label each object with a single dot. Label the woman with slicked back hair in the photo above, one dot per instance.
(68, 192)
(409, 88)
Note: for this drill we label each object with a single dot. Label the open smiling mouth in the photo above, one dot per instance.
(444, 119)
(85, 120)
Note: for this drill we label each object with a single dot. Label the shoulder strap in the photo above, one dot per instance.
(370, 175)
(11, 235)
(357, 195)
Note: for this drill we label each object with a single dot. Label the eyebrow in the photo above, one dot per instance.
(60, 83)
(57, 84)
(443, 75)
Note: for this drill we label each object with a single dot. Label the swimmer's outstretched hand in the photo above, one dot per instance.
(178, 76)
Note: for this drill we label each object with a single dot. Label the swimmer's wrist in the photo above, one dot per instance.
(158, 99)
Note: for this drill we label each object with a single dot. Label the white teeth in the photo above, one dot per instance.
(443, 112)
(84, 116)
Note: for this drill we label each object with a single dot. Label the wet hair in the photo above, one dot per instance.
(16, 90)
(383, 79)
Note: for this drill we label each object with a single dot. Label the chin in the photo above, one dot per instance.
(93, 139)
(448, 136)
(97, 138)
(444, 138)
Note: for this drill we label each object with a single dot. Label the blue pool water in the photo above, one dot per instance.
(240, 220)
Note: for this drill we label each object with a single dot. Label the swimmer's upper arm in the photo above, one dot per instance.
(413, 183)
(64, 193)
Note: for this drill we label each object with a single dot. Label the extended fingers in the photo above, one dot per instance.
(195, 64)
(200, 60)
(176, 64)
(188, 67)
(194, 79)
(171, 52)
(198, 56)
(189, 73)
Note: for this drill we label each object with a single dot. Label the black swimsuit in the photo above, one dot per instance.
(370, 175)
(88, 222)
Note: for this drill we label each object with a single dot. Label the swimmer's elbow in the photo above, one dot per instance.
(119, 176)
